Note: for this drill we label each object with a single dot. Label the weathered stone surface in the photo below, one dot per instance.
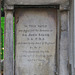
(35, 41)
(74, 34)
(34, 2)
(72, 37)
(64, 42)
(8, 44)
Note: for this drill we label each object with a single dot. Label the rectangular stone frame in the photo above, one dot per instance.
(38, 9)
(62, 46)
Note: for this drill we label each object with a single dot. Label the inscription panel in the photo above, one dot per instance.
(35, 41)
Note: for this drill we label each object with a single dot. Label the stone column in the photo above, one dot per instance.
(64, 43)
(8, 43)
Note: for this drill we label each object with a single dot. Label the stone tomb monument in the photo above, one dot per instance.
(41, 38)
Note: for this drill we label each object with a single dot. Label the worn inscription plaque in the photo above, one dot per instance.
(35, 41)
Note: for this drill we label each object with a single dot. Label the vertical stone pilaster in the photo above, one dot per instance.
(8, 44)
(64, 43)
